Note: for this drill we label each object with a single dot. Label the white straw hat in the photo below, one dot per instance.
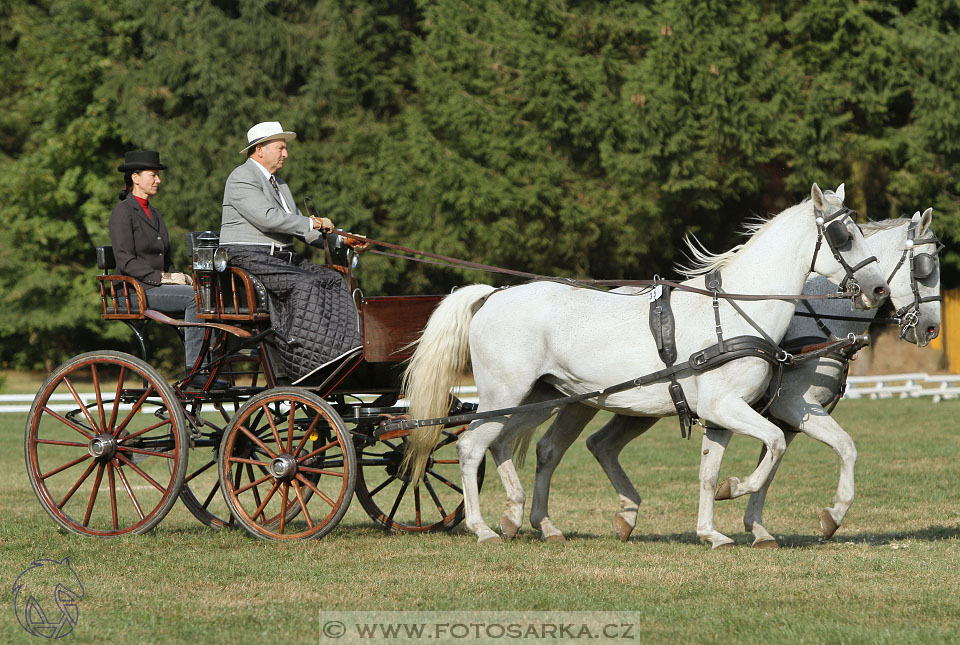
(267, 131)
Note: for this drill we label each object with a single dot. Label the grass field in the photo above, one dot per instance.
(891, 574)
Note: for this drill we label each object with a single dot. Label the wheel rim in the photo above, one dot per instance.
(390, 499)
(287, 466)
(106, 466)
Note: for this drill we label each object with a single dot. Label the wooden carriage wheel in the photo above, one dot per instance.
(114, 463)
(386, 494)
(287, 465)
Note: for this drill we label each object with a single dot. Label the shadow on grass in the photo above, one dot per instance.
(928, 534)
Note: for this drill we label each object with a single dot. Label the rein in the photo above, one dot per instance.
(443, 260)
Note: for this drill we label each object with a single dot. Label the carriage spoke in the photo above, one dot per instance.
(116, 397)
(320, 471)
(317, 451)
(434, 496)
(306, 482)
(386, 482)
(79, 483)
(416, 504)
(283, 506)
(266, 500)
(306, 435)
(137, 470)
(133, 411)
(149, 453)
(82, 405)
(136, 434)
(290, 429)
(75, 444)
(446, 481)
(253, 483)
(65, 466)
(273, 427)
(113, 496)
(211, 494)
(96, 389)
(93, 495)
(70, 424)
(257, 441)
(126, 486)
(396, 503)
(303, 505)
(200, 470)
(256, 489)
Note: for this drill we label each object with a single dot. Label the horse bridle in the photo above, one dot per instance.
(835, 232)
(922, 266)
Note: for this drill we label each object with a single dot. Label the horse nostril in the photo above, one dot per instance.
(933, 331)
(880, 291)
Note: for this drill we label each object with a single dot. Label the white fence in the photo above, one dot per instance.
(885, 386)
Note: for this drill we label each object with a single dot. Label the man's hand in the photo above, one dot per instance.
(355, 244)
(322, 224)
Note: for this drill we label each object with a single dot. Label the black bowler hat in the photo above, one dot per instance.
(141, 160)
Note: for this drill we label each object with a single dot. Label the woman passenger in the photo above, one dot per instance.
(141, 246)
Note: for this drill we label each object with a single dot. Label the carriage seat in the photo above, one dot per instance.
(120, 295)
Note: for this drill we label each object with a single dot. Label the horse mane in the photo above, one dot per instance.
(871, 227)
(700, 261)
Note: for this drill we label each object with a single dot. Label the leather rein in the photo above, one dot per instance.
(443, 260)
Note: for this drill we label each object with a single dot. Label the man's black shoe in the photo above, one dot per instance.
(198, 381)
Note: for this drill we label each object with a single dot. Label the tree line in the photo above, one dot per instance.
(569, 138)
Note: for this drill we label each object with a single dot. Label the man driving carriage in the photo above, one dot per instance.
(310, 306)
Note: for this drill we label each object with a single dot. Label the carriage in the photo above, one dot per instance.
(108, 438)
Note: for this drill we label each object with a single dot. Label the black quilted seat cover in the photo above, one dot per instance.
(310, 308)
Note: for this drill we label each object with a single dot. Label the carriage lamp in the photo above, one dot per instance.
(203, 247)
(220, 258)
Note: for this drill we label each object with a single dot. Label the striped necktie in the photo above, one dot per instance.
(276, 188)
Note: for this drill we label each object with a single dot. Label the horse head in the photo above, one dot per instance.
(850, 262)
(915, 281)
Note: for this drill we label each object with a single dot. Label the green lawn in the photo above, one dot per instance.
(891, 574)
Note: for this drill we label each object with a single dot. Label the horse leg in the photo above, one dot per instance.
(713, 446)
(814, 421)
(734, 414)
(753, 516)
(606, 445)
(568, 425)
(471, 449)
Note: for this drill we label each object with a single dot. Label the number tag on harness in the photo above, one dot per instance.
(654, 295)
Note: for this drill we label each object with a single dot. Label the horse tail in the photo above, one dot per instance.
(441, 358)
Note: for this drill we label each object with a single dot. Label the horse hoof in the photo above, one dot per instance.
(725, 491)
(556, 537)
(765, 543)
(622, 527)
(827, 524)
(493, 538)
(508, 527)
(722, 545)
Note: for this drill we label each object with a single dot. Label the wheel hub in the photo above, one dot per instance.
(103, 446)
(284, 467)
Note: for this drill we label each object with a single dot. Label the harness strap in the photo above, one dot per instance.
(702, 361)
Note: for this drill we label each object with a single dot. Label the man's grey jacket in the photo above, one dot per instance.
(253, 214)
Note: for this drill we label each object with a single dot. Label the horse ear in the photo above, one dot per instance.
(925, 221)
(839, 192)
(817, 196)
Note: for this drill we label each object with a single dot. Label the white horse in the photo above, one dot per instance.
(804, 390)
(528, 342)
